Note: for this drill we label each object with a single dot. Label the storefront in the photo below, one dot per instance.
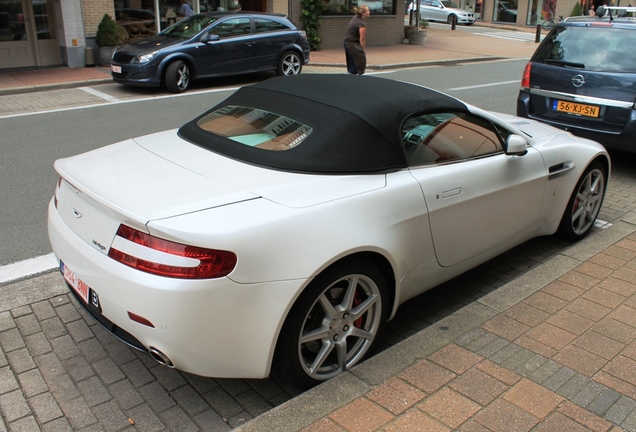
(28, 35)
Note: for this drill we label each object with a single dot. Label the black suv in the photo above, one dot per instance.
(582, 78)
(209, 45)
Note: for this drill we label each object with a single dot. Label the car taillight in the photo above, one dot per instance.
(161, 257)
(525, 79)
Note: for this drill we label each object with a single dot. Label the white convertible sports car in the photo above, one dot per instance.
(285, 225)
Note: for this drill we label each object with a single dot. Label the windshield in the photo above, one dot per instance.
(606, 49)
(186, 28)
(449, 4)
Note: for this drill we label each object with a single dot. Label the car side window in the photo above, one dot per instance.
(448, 137)
(266, 25)
(232, 27)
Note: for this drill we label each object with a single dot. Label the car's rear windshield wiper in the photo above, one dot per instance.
(565, 63)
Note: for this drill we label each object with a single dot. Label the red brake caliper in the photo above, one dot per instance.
(356, 301)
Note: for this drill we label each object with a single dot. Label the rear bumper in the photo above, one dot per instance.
(620, 140)
(214, 328)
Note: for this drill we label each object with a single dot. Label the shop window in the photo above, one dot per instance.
(505, 11)
(346, 7)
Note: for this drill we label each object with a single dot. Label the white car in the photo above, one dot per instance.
(286, 225)
(444, 11)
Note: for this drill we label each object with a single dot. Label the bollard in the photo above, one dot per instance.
(537, 35)
(453, 22)
(90, 59)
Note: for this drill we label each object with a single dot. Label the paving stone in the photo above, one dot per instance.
(223, 403)
(253, 403)
(7, 380)
(589, 393)
(505, 353)
(57, 425)
(53, 328)
(500, 415)
(45, 407)
(493, 347)
(119, 352)
(92, 350)
(32, 383)
(127, 396)
(604, 402)
(93, 391)
(558, 378)
(43, 310)
(21, 311)
(111, 417)
(21, 360)
(13, 405)
(49, 365)
(6, 321)
(78, 368)
(478, 386)
(449, 407)
(28, 324)
(176, 419)
(26, 424)
(137, 373)
(79, 331)
(199, 383)
(108, 371)
(620, 410)
(78, 413)
(156, 396)
(64, 347)
(145, 419)
(38, 344)
(361, 414)
(11, 340)
(210, 421)
(67, 313)
(191, 402)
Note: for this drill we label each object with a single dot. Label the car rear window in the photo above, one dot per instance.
(255, 127)
(602, 48)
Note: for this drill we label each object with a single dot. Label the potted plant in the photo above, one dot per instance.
(416, 35)
(109, 36)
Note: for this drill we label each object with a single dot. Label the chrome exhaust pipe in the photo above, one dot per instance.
(160, 357)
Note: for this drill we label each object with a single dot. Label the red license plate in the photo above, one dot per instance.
(76, 283)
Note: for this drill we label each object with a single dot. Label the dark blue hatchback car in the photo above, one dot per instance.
(582, 78)
(209, 45)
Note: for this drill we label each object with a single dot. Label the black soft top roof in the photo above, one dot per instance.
(355, 119)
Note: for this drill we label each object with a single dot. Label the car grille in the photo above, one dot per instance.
(123, 58)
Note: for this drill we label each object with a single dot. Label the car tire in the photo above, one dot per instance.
(290, 63)
(178, 76)
(450, 19)
(343, 309)
(584, 204)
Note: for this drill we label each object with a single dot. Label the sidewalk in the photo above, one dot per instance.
(553, 350)
(443, 46)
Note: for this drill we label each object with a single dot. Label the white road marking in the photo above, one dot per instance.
(97, 93)
(229, 89)
(484, 85)
(510, 35)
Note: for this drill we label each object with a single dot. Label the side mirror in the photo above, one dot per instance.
(516, 145)
(210, 37)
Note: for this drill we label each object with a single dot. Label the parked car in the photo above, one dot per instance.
(284, 226)
(444, 11)
(582, 78)
(210, 45)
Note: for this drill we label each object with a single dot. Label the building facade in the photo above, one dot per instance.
(43, 33)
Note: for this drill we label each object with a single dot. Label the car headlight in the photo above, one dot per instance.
(145, 58)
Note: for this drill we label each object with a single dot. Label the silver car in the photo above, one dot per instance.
(443, 10)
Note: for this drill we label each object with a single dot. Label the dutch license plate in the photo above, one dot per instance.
(76, 283)
(115, 69)
(576, 108)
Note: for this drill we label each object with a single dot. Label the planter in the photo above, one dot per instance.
(105, 54)
(416, 37)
